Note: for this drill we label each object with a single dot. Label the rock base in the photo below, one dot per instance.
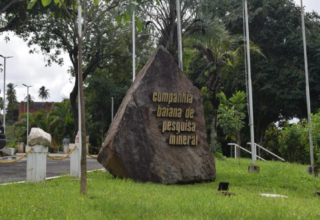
(253, 169)
(313, 170)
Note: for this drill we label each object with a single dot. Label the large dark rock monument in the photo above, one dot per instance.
(159, 133)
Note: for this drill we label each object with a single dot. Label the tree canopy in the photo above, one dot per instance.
(214, 49)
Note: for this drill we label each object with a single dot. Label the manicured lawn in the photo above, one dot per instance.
(110, 198)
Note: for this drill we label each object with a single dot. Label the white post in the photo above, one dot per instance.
(65, 148)
(307, 84)
(79, 102)
(133, 47)
(253, 147)
(27, 112)
(20, 147)
(111, 109)
(4, 92)
(178, 9)
(4, 97)
(37, 163)
(75, 156)
(27, 115)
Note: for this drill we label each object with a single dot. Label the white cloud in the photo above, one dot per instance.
(310, 5)
(29, 69)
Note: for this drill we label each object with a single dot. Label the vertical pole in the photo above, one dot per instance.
(307, 83)
(4, 97)
(133, 46)
(79, 101)
(178, 9)
(27, 116)
(111, 109)
(253, 147)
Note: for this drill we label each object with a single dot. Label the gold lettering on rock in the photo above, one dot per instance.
(183, 140)
(184, 98)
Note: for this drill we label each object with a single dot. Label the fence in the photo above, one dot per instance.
(36, 161)
(236, 145)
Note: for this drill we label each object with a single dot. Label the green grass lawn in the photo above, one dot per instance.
(110, 198)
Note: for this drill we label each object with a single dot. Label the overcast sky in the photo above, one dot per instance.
(29, 69)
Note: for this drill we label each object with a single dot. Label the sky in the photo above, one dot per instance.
(29, 69)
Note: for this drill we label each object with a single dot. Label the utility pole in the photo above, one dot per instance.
(311, 168)
(27, 112)
(4, 93)
(251, 168)
(178, 9)
(133, 46)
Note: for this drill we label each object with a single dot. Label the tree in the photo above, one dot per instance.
(162, 21)
(29, 99)
(61, 120)
(222, 52)
(43, 93)
(278, 81)
(42, 119)
(101, 86)
(55, 34)
(20, 127)
(293, 141)
(87, 24)
(230, 116)
(12, 14)
(11, 97)
(1, 103)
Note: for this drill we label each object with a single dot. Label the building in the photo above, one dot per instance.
(34, 107)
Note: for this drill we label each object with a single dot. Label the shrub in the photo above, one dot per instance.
(294, 144)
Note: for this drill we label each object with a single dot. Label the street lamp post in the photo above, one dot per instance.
(4, 92)
(251, 168)
(178, 8)
(27, 110)
(307, 87)
(133, 46)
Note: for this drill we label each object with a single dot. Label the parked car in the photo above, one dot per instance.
(2, 136)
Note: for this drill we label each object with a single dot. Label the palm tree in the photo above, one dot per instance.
(29, 99)
(43, 120)
(11, 93)
(61, 120)
(227, 50)
(162, 21)
(12, 102)
(20, 127)
(1, 103)
(43, 93)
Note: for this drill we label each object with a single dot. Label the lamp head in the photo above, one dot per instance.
(5, 57)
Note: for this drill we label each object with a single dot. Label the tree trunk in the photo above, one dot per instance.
(260, 130)
(214, 88)
(213, 135)
(83, 181)
(73, 103)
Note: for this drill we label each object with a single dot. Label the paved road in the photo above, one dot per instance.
(18, 171)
